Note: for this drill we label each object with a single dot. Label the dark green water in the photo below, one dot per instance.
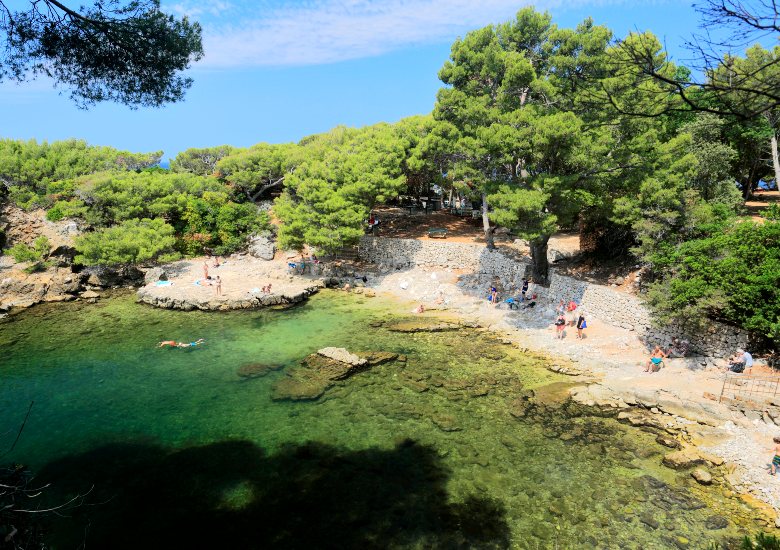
(176, 450)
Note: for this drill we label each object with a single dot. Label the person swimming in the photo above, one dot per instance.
(191, 344)
(174, 344)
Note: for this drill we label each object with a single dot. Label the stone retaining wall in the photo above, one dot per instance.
(471, 257)
(601, 302)
(629, 312)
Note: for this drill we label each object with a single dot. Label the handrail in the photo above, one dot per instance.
(750, 385)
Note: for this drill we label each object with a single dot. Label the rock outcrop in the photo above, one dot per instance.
(261, 246)
(319, 371)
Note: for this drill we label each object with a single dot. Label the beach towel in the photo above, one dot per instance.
(163, 283)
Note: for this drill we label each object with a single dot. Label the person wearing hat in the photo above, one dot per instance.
(741, 361)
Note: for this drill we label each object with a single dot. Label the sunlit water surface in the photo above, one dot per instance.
(172, 448)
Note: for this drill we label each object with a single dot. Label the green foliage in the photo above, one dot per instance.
(37, 174)
(261, 168)
(732, 273)
(761, 541)
(327, 199)
(125, 51)
(202, 162)
(772, 212)
(22, 252)
(132, 241)
(517, 139)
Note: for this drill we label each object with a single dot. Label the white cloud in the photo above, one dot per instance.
(324, 31)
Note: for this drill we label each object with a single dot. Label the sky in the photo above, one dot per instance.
(276, 71)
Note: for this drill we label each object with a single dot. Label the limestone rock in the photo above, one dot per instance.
(563, 369)
(90, 295)
(667, 441)
(261, 246)
(680, 460)
(109, 277)
(342, 355)
(297, 389)
(155, 274)
(702, 476)
(421, 326)
(446, 422)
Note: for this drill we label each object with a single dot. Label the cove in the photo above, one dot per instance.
(174, 449)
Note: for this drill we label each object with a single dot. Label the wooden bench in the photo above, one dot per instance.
(437, 232)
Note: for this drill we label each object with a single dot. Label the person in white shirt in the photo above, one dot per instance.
(741, 361)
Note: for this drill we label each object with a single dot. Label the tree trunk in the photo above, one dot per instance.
(775, 159)
(539, 259)
(486, 224)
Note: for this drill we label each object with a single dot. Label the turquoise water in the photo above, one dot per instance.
(172, 448)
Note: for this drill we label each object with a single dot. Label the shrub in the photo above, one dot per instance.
(36, 253)
(131, 242)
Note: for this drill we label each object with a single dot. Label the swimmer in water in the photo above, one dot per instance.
(191, 344)
(169, 343)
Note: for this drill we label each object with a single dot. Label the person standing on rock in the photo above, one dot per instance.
(581, 324)
(219, 286)
(560, 323)
(524, 289)
(776, 458)
(205, 270)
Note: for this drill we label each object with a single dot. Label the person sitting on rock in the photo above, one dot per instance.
(656, 360)
(419, 309)
(679, 348)
(741, 361)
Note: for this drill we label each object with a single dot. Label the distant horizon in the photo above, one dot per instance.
(339, 75)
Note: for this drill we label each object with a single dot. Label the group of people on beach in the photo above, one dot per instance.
(207, 279)
(568, 315)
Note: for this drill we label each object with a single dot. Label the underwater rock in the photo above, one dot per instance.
(379, 357)
(256, 370)
(667, 441)
(648, 519)
(702, 476)
(446, 422)
(297, 389)
(319, 371)
(421, 326)
(716, 522)
(567, 370)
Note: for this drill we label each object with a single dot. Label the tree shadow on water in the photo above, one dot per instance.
(232, 495)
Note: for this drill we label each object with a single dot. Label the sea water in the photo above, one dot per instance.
(151, 447)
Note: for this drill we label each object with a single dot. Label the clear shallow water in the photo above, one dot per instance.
(177, 450)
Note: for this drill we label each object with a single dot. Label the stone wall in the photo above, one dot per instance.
(401, 253)
(601, 302)
(629, 312)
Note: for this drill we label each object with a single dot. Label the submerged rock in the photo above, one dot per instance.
(295, 388)
(702, 476)
(422, 326)
(256, 370)
(716, 522)
(446, 422)
(317, 372)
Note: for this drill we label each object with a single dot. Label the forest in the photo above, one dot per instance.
(546, 128)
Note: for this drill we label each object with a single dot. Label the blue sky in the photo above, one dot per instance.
(277, 71)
